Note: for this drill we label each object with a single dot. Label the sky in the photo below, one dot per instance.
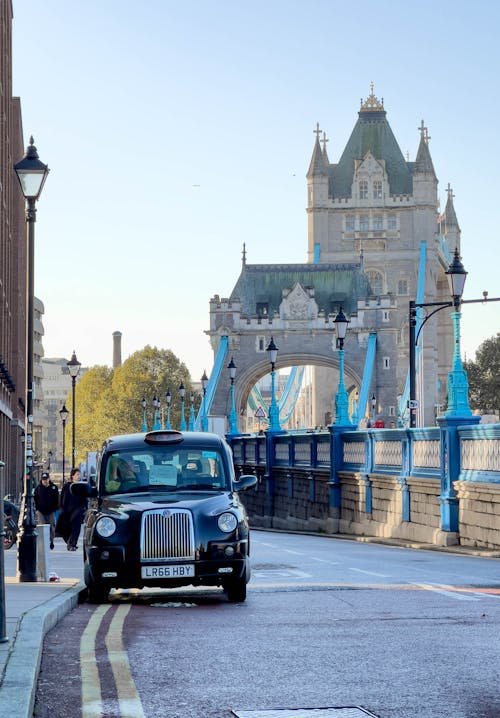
(177, 132)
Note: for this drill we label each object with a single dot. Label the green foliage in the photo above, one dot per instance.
(484, 377)
(108, 401)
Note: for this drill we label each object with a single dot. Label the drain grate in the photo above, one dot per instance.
(340, 712)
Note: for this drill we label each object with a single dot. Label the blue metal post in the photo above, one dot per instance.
(156, 414)
(341, 400)
(191, 415)
(182, 391)
(274, 410)
(233, 418)
(204, 418)
(144, 423)
(458, 386)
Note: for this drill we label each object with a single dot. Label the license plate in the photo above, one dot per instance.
(185, 570)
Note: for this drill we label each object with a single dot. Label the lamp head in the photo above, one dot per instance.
(168, 397)
(456, 278)
(272, 351)
(64, 413)
(232, 369)
(204, 381)
(74, 366)
(341, 323)
(182, 390)
(31, 173)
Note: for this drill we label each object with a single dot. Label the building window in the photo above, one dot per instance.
(262, 309)
(385, 316)
(376, 281)
(403, 286)
(392, 411)
(392, 222)
(261, 344)
(377, 189)
(364, 223)
(387, 363)
(363, 189)
(378, 222)
(349, 223)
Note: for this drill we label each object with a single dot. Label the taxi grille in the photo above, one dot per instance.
(167, 534)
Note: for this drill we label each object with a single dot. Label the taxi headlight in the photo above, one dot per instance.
(105, 527)
(227, 522)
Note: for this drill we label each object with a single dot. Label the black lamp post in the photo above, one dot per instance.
(341, 399)
(182, 391)
(74, 369)
(3, 623)
(64, 413)
(31, 173)
(144, 423)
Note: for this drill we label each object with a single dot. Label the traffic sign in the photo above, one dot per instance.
(260, 413)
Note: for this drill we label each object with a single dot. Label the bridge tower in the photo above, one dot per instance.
(376, 240)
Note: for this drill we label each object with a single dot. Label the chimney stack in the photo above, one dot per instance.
(117, 349)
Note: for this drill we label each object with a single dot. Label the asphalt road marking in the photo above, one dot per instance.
(370, 573)
(449, 591)
(129, 702)
(91, 684)
(128, 697)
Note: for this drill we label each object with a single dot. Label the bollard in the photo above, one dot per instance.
(42, 552)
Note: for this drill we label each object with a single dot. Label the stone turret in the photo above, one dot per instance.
(424, 177)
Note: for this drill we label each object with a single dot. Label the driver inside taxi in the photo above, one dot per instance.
(120, 475)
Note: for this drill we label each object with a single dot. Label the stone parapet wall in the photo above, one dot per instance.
(479, 514)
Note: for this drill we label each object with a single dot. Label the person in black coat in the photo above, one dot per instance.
(46, 496)
(72, 511)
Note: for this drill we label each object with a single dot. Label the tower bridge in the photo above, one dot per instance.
(376, 240)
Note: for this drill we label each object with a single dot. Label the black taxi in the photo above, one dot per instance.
(164, 511)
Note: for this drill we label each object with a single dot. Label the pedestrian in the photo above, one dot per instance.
(46, 496)
(72, 511)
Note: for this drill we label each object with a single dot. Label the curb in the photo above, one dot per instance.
(17, 691)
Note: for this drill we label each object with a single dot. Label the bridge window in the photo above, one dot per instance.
(392, 222)
(403, 286)
(386, 363)
(377, 189)
(363, 189)
(349, 223)
(376, 281)
(262, 309)
(261, 344)
(378, 222)
(364, 223)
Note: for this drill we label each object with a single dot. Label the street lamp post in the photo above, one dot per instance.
(274, 410)
(168, 399)
(64, 413)
(182, 392)
(204, 418)
(341, 400)
(373, 404)
(233, 418)
(156, 414)
(74, 369)
(144, 427)
(31, 173)
(3, 622)
(191, 413)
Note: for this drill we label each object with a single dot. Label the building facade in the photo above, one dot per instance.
(12, 271)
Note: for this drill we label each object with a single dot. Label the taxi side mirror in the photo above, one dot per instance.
(246, 481)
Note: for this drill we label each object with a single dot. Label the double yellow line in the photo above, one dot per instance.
(129, 703)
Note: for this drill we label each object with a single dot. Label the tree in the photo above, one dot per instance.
(484, 377)
(108, 401)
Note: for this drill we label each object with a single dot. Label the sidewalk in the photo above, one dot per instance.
(31, 610)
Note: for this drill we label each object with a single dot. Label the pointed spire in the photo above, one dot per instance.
(325, 154)
(317, 165)
(372, 103)
(423, 162)
(450, 214)
(244, 255)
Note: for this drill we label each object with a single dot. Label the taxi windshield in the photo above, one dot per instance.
(167, 468)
